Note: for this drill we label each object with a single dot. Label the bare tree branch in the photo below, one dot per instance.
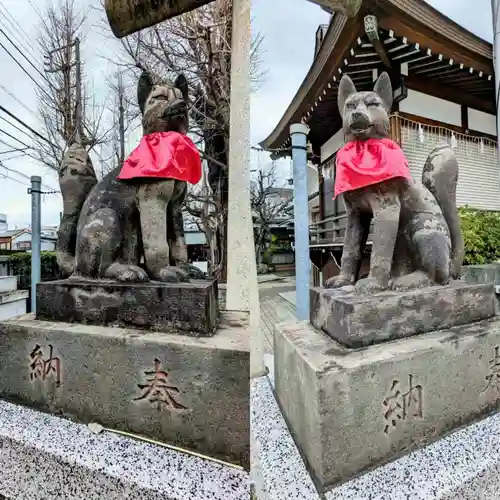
(269, 207)
(60, 24)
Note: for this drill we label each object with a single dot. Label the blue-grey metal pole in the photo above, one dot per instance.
(299, 132)
(36, 229)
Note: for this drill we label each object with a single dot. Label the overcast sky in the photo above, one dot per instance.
(288, 27)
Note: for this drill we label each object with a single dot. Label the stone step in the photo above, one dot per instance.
(50, 458)
(13, 304)
(8, 284)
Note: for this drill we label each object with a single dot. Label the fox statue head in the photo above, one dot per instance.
(365, 115)
(163, 106)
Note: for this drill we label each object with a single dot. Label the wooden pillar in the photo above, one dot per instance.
(465, 118)
(321, 194)
(395, 127)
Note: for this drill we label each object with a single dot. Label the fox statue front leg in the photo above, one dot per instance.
(153, 199)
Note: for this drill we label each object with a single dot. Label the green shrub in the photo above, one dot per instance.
(21, 266)
(481, 231)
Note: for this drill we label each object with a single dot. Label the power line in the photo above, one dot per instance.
(16, 139)
(14, 126)
(4, 176)
(14, 171)
(21, 150)
(13, 157)
(21, 103)
(24, 69)
(16, 150)
(24, 55)
(17, 26)
(24, 124)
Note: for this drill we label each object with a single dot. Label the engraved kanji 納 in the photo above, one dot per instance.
(493, 378)
(42, 368)
(401, 406)
(158, 391)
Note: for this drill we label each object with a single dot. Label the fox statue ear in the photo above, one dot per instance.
(144, 88)
(346, 89)
(383, 87)
(182, 84)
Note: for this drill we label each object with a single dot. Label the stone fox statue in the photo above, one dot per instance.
(123, 220)
(417, 239)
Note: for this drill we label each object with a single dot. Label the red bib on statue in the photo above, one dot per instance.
(363, 163)
(163, 155)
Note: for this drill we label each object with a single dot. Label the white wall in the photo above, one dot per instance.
(332, 145)
(432, 108)
(482, 122)
(45, 244)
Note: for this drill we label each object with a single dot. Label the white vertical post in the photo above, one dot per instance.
(299, 132)
(36, 229)
(242, 292)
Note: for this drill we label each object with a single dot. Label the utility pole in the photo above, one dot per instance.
(36, 230)
(78, 116)
(121, 119)
(72, 112)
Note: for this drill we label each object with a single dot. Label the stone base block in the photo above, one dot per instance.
(13, 304)
(8, 284)
(352, 409)
(190, 392)
(463, 465)
(482, 273)
(357, 321)
(43, 457)
(187, 307)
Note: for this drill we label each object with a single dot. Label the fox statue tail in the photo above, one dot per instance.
(76, 180)
(440, 176)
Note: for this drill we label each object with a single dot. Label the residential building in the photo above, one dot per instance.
(20, 239)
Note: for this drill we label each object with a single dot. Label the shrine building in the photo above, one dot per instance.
(444, 90)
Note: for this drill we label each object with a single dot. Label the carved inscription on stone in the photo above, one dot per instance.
(399, 405)
(493, 377)
(42, 367)
(158, 391)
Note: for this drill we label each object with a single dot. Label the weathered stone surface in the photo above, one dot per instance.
(190, 392)
(463, 465)
(352, 409)
(356, 321)
(189, 308)
(44, 457)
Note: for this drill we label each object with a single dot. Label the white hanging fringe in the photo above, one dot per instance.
(453, 140)
(421, 136)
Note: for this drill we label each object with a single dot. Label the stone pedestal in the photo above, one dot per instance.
(357, 321)
(187, 308)
(186, 391)
(352, 409)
